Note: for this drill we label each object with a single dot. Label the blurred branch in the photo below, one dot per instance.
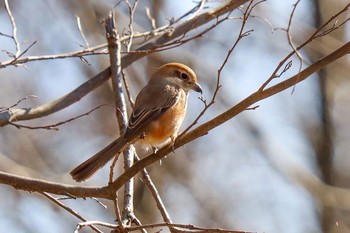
(91, 223)
(19, 114)
(149, 183)
(229, 114)
(96, 50)
(55, 126)
(38, 185)
(241, 35)
(290, 40)
(114, 48)
(320, 32)
(14, 27)
(184, 227)
(132, 9)
(81, 31)
(60, 204)
(336, 197)
(107, 192)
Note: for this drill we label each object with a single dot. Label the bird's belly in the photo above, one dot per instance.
(167, 125)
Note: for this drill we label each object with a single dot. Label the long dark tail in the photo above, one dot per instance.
(93, 164)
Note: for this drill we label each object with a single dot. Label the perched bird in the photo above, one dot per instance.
(159, 110)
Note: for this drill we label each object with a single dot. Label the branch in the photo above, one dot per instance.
(107, 192)
(149, 183)
(74, 96)
(81, 31)
(14, 34)
(229, 114)
(38, 185)
(18, 114)
(321, 31)
(242, 34)
(60, 204)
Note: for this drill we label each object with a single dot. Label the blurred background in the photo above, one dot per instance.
(241, 176)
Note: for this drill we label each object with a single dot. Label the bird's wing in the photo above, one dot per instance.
(149, 106)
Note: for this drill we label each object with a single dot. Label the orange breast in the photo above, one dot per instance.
(168, 124)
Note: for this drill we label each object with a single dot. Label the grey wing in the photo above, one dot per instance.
(149, 106)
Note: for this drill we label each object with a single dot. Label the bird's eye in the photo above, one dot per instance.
(184, 76)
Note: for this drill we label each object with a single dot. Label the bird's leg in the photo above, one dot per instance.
(172, 141)
(154, 149)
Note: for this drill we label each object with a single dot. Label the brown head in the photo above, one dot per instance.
(177, 74)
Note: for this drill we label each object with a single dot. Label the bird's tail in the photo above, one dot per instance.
(93, 164)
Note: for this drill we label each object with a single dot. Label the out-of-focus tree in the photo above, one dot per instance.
(276, 167)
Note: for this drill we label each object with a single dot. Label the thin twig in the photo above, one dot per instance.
(188, 227)
(91, 223)
(318, 33)
(150, 185)
(127, 89)
(198, 8)
(18, 56)
(81, 31)
(241, 35)
(290, 41)
(151, 18)
(14, 34)
(132, 9)
(85, 88)
(74, 213)
(229, 114)
(18, 102)
(55, 126)
(108, 192)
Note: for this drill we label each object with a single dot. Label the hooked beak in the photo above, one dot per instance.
(197, 88)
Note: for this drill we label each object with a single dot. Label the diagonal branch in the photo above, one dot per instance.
(20, 114)
(108, 192)
(229, 114)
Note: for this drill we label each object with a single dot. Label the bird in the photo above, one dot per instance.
(158, 113)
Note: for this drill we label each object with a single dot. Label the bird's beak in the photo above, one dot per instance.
(196, 87)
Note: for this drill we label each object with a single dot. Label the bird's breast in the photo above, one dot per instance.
(168, 124)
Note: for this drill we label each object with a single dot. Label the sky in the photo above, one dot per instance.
(240, 164)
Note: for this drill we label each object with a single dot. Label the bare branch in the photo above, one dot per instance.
(108, 192)
(241, 35)
(18, 102)
(74, 213)
(289, 36)
(14, 34)
(55, 126)
(114, 48)
(18, 114)
(151, 18)
(91, 223)
(316, 34)
(85, 88)
(81, 31)
(185, 228)
(149, 183)
(132, 9)
(38, 185)
(229, 114)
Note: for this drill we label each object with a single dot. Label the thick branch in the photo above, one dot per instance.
(232, 112)
(19, 114)
(35, 185)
